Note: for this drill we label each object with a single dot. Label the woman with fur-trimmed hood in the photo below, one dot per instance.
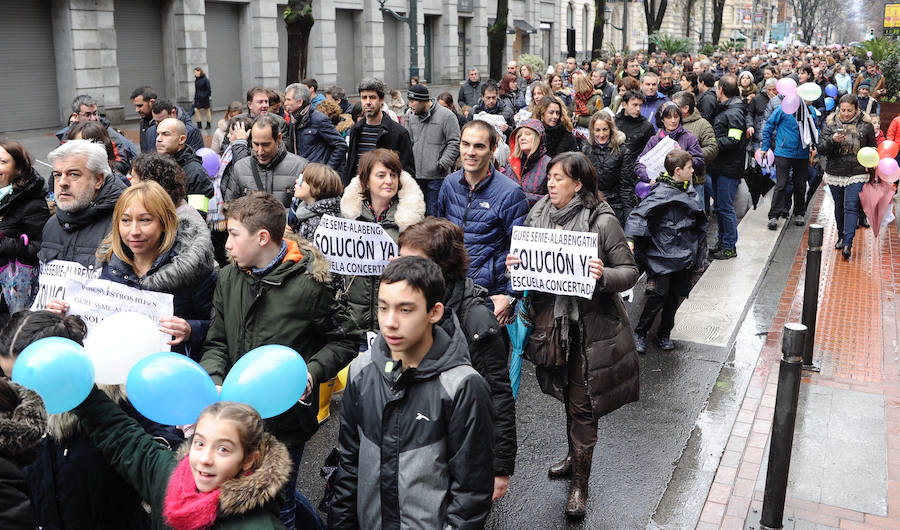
(385, 194)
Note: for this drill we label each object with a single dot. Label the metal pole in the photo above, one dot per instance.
(783, 426)
(413, 20)
(625, 28)
(703, 27)
(811, 292)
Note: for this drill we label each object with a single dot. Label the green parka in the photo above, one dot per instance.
(248, 502)
(407, 209)
(293, 305)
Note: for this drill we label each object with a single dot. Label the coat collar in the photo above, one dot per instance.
(410, 205)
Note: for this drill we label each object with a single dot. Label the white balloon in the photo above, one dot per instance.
(118, 342)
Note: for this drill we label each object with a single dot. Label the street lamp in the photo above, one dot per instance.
(413, 34)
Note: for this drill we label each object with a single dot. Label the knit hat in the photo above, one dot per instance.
(865, 84)
(418, 93)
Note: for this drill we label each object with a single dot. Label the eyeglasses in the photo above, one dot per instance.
(90, 114)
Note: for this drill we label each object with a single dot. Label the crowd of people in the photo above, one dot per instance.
(427, 422)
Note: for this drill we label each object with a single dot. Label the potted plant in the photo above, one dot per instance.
(886, 53)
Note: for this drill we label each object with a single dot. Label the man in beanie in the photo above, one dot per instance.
(434, 131)
(867, 103)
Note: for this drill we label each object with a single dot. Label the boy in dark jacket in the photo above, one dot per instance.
(416, 440)
(667, 232)
(278, 292)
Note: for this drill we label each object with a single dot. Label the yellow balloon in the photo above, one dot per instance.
(867, 157)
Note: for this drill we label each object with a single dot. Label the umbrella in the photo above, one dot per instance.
(19, 284)
(519, 331)
(758, 183)
(875, 198)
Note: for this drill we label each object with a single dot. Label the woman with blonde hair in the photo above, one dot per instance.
(615, 171)
(586, 101)
(143, 243)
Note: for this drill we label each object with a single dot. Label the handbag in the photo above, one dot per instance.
(544, 347)
(19, 283)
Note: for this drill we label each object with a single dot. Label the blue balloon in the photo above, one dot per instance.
(831, 90)
(270, 379)
(829, 103)
(58, 369)
(170, 388)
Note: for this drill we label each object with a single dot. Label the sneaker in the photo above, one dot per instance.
(640, 343)
(715, 249)
(725, 253)
(666, 344)
(773, 224)
(799, 220)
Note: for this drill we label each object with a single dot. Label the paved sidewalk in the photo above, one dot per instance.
(845, 465)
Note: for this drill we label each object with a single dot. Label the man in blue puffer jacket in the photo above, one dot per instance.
(791, 157)
(486, 204)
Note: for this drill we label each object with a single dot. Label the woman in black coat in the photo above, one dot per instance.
(610, 157)
(23, 210)
(202, 93)
(442, 241)
(558, 125)
(23, 421)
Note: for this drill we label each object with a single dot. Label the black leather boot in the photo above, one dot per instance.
(581, 472)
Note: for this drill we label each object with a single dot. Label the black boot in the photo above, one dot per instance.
(581, 472)
(840, 243)
(846, 252)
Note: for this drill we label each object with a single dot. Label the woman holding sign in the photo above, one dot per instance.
(385, 194)
(140, 251)
(593, 336)
(668, 119)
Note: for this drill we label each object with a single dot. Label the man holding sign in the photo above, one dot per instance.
(583, 323)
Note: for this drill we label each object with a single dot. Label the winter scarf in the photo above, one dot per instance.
(185, 508)
(309, 215)
(575, 217)
(851, 134)
(215, 217)
(809, 135)
(581, 100)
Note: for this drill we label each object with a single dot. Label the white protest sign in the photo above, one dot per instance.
(553, 261)
(55, 276)
(355, 248)
(94, 300)
(655, 159)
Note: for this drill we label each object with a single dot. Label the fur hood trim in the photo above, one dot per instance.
(23, 427)
(248, 492)
(318, 266)
(64, 426)
(410, 207)
(193, 255)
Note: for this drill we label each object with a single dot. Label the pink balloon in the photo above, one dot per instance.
(759, 157)
(790, 104)
(890, 178)
(868, 54)
(888, 168)
(770, 157)
(641, 189)
(786, 86)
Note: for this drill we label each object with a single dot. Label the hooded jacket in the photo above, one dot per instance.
(490, 357)
(706, 137)
(685, 140)
(731, 139)
(190, 279)
(21, 430)
(196, 177)
(75, 236)
(783, 131)
(435, 141)
(708, 104)
(756, 114)
(312, 136)
(24, 211)
(277, 177)
(392, 136)
(415, 445)
(842, 162)
(293, 305)
(531, 173)
(668, 228)
(615, 175)
(486, 215)
(407, 209)
(248, 502)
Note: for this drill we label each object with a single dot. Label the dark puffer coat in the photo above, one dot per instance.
(21, 430)
(559, 140)
(638, 132)
(732, 140)
(74, 236)
(489, 357)
(609, 354)
(615, 175)
(196, 178)
(486, 215)
(23, 212)
(202, 92)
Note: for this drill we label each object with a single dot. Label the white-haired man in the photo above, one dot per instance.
(85, 192)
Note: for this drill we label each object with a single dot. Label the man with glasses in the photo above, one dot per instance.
(85, 108)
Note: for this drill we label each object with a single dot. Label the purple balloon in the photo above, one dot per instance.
(642, 189)
(790, 104)
(831, 90)
(888, 166)
(770, 157)
(786, 86)
(210, 161)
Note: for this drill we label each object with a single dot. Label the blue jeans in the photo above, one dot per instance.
(709, 195)
(430, 189)
(700, 197)
(726, 189)
(289, 491)
(846, 210)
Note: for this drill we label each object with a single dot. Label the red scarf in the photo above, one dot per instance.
(581, 99)
(185, 508)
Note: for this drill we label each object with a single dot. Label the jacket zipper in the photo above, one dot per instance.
(466, 213)
(259, 294)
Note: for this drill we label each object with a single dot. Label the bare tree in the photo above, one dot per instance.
(688, 13)
(599, 23)
(718, 7)
(497, 40)
(299, 20)
(654, 16)
(809, 13)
